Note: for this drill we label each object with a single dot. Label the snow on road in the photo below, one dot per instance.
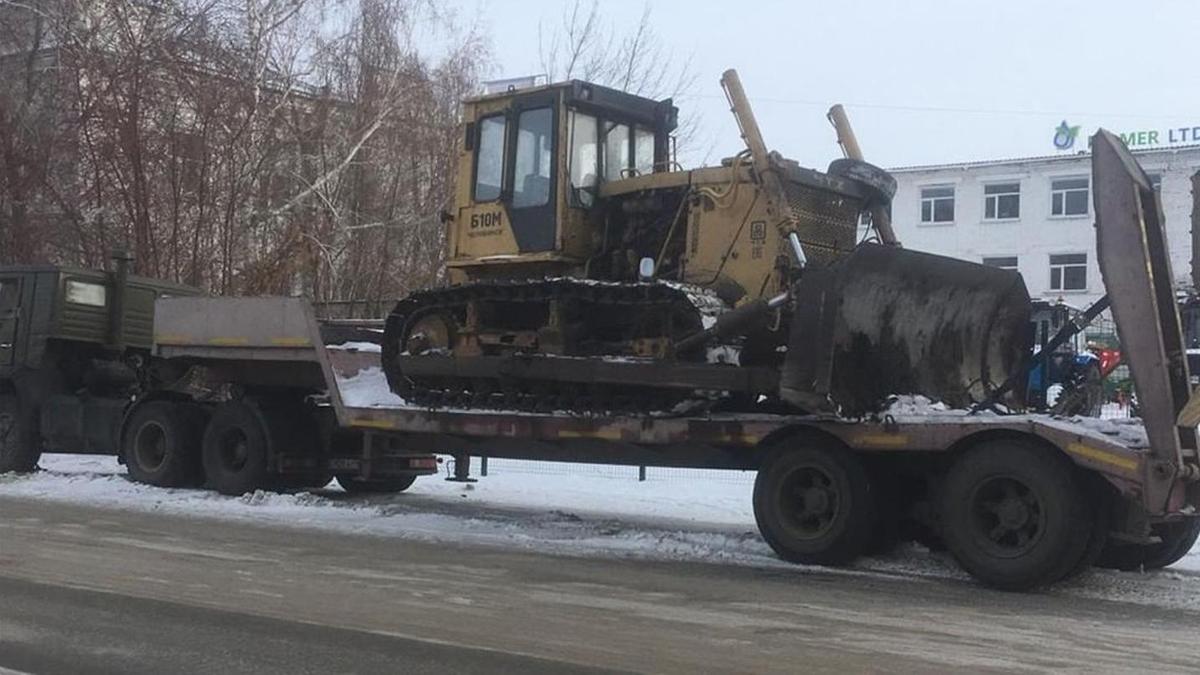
(681, 515)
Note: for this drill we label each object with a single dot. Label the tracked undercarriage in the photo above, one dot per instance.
(563, 344)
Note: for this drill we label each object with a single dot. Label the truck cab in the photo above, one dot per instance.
(530, 166)
(73, 351)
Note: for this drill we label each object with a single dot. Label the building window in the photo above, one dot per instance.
(1069, 197)
(1005, 262)
(1068, 272)
(1155, 181)
(1002, 201)
(937, 204)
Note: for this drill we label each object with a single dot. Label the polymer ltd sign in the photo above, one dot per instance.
(1065, 136)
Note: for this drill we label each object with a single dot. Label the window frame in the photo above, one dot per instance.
(597, 178)
(934, 222)
(996, 197)
(1051, 266)
(503, 115)
(514, 133)
(1087, 199)
(1015, 267)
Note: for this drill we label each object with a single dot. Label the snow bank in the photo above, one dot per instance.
(677, 514)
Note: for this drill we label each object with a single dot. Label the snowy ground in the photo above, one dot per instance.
(701, 516)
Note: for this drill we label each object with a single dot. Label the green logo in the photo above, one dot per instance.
(1064, 136)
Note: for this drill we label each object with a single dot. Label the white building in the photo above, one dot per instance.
(1035, 215)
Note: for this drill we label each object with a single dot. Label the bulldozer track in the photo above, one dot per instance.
(680, 308)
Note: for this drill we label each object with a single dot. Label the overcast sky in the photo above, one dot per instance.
(924, 81)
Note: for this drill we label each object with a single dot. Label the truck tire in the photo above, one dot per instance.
(813, 502)
(236, 449)
(161, 445)
(1016, 516)
(20, 445)
(1178, 538)
(358, 486)
(1101, 495)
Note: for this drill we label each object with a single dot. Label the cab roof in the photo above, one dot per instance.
(601, 99)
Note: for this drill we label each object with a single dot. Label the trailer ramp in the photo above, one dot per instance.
(1131, 245)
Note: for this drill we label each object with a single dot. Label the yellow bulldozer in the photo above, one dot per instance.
(589, 273)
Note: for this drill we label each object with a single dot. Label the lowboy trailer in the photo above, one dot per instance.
(1020, 500)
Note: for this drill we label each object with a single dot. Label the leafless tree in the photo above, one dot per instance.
(586, 45)
(243, 146)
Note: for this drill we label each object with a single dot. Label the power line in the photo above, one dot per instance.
(943, 109)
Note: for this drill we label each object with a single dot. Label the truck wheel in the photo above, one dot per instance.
(235, 449)
(358, 486)
(162, 446)
(1016, 516)
(1178, 538)
(20, 446)
(1102, 500)
(813, 502)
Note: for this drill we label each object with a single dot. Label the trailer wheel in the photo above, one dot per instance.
(161, 445)
(1102, 497)
(358, 486)
(813, 502)
(1015, 515)
(1178, 538)
(20, 445)
(235, 449)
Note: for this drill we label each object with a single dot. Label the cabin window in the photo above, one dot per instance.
(616, 152)
(489, 158)
(585, 158)
(643, 151)
(535, 159)
(86, 293)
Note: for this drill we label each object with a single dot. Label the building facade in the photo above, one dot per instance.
(1035, 215)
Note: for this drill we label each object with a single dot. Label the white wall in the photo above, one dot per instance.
(1036, 234)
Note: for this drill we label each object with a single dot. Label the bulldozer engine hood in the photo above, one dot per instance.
(886, 321)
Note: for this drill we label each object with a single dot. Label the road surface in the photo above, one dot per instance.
(85, 589)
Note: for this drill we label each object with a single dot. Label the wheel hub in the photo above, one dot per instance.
(1007, 516)
(235, 451)
(151, 447)
(430, 333)
(1012, 513)
(813, 502)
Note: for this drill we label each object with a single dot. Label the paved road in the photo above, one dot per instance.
(93, 590)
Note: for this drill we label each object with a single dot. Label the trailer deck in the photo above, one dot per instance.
(285, 331)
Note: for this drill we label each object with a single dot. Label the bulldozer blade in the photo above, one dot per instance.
(886, 321)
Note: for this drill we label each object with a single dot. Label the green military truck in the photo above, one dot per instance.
(74, 351)
(79, 373)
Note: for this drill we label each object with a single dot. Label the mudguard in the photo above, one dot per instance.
(886, 320)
